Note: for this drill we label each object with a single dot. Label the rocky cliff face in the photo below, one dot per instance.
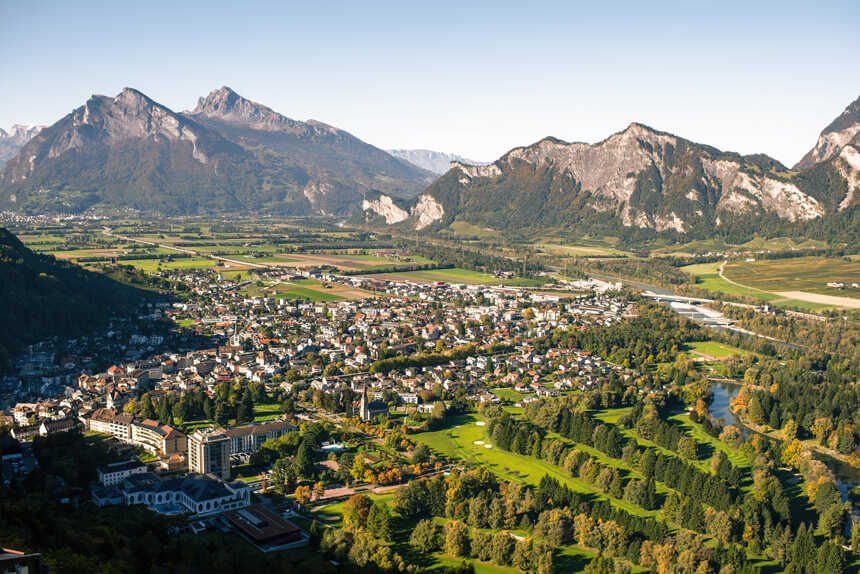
(13, 140)
(637, 178)
(834, 137)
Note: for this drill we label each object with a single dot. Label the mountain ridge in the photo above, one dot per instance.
(228, 155)
(638, 177)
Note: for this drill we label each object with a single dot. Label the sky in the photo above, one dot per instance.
(471, 78)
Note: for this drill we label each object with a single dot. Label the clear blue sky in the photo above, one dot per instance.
(465, 77)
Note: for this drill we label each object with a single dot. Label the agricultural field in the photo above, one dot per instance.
(457, 275)
(808, 274)
(703, 246)
(152, 265)
(708, 277)
(469, 230)
(578, 250)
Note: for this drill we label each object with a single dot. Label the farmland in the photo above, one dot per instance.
(457, 275)
(810, 274)
(708, 277)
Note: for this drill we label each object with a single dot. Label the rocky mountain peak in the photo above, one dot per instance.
(219, 102)
(14, 140)
(839, 133)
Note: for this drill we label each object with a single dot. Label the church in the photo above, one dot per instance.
(370, 410)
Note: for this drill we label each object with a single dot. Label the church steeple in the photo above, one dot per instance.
(362, 408)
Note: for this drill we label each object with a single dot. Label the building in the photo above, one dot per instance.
(264, 528)
(158, 439)
(47, 427)
(197, 495)
(209, 453)
(370, 410)
(16, 562)
(112, 422)
(118, 472)
(249, 438)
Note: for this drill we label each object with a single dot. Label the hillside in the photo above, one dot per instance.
(640, 181)
(43, 297)
(228, 155)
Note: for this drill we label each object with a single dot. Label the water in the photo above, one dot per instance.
(846, 475)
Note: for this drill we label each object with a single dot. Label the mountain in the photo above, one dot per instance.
(638, 179)
(11, 142)
(433, 161)
(43, 297)
(833, 139)
(227, 155)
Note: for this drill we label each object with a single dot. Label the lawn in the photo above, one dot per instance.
(459, 442)
(508, 395)
(714, 349)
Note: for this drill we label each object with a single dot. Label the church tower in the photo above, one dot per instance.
(363, 413)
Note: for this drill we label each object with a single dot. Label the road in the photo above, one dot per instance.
(107, 231)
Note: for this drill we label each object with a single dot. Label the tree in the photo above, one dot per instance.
(456, 538)
(420, 454)
(791, 453)
(358, 468)
(688, 448)
(425, 536)
(148, 410)
(304, 465)
(503, 549)
(379, 521)
(303, 495)
(315, 532)
(319, 489)
(356, 510)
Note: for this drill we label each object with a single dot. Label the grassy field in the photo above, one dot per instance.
(708, 277)
(457, 275)
(152, 265)
(712, 245)
(459, 442)
(508, 394)
(262, 260)
(308, 293)
(463, 228)
(801, 305)
(797, 274)
(714, 349)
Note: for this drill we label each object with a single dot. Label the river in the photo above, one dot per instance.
(846, 475)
